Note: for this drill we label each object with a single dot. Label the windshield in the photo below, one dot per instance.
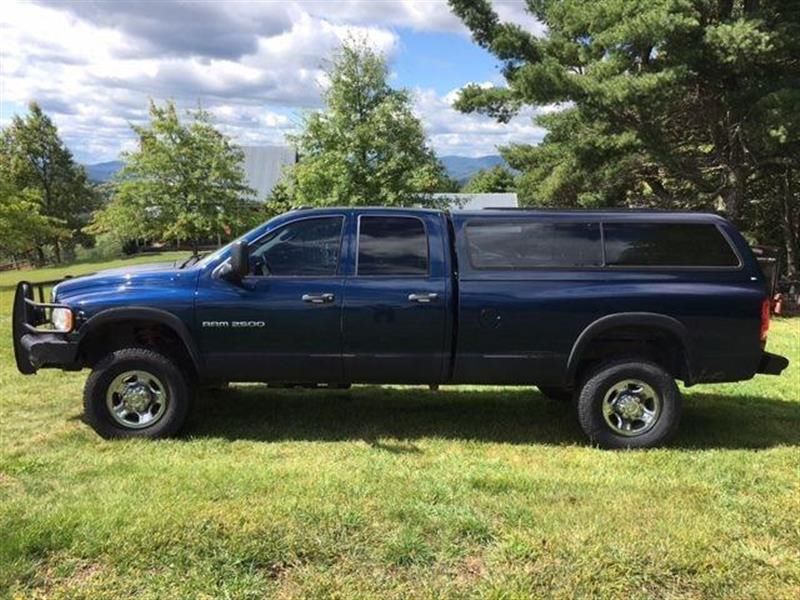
(208, 258)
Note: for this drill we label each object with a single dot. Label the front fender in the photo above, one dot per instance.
(143, 313)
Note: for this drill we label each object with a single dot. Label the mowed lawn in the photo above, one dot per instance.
(397, 493)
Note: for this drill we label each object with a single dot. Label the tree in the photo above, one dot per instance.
(670, 103)
(494, 180)
(367, 146)
(22, 227)
(184, 182)
(39, 165)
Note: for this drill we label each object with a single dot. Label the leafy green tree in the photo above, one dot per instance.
(184, 182)
(22, 227)
(38, 165)
(367, 146)
(493, 180)
(674, 103)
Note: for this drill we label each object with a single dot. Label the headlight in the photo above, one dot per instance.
(61, 318)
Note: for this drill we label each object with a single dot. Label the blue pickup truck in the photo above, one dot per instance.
(605, 309)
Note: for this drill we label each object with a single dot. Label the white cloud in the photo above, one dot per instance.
(254, 65)
(515, 11)
(453, 132)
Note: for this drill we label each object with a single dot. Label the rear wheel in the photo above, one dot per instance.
(629, 404)
(135, 392)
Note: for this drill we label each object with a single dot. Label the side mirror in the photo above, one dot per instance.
(240, 261)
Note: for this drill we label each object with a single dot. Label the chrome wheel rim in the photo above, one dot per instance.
(136, 399)
(631, 407)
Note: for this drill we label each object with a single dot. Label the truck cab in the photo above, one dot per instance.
(605, 309)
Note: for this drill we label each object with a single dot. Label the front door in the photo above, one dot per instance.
(395, 304)
(283, 322)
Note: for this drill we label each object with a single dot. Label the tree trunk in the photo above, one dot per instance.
(57, 250)
(733, 195)
(660, 191)
(789, 226)
(68, 251)
(40, 255)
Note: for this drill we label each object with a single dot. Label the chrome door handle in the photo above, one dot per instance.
(326, 298)
(423, 298)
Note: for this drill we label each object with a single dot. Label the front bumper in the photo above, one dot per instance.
(772, 364)
(36, 348)
(49, 350)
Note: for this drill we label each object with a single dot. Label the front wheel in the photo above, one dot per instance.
(629, 404)
(135, 392)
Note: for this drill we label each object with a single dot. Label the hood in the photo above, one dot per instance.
(121, 285)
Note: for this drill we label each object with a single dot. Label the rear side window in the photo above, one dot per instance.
(667, 245)
(392, 246)
(530, 245)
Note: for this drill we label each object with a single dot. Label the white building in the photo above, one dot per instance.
(479, 201)
(264, 166)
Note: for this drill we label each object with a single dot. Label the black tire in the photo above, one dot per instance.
(167, 374)
(558, 393)
(610, 377)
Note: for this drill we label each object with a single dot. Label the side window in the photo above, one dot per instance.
(392, 246)
(309, 247)
(533, 244)
(667, 245)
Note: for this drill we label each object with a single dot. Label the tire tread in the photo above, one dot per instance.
(95, 412)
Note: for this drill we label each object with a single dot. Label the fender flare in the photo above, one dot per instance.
(628, 319)
(143, 313)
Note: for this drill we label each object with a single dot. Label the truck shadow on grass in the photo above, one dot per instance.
(515, 416)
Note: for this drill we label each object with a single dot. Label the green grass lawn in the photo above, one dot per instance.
(397, 492)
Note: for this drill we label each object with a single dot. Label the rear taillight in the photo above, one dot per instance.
(765, 310)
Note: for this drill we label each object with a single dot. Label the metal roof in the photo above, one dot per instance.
(479, 201)
(264, 167)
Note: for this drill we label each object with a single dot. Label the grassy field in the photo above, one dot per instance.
(397, 492)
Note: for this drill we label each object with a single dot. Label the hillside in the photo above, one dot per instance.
(460, 168)
(100, 172)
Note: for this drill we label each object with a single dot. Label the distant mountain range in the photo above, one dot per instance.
(460, 168)
(100, 172)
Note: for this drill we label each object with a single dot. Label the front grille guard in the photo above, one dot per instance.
(31, 313)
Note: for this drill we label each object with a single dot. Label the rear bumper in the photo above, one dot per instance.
(772, 364)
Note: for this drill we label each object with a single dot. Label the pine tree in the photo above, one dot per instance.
(668, 103)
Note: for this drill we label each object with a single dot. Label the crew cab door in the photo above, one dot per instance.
(396, 299)
(283, 321)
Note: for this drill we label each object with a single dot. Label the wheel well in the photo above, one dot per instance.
(140, 333)
(656, 344)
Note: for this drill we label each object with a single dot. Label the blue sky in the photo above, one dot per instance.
(256, 66)
(441, 61)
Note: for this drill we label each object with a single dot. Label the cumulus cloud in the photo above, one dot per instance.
(255, 65)
(181, 28)
(453, 132)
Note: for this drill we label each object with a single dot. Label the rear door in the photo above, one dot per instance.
(396, 300)
(527, 288)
